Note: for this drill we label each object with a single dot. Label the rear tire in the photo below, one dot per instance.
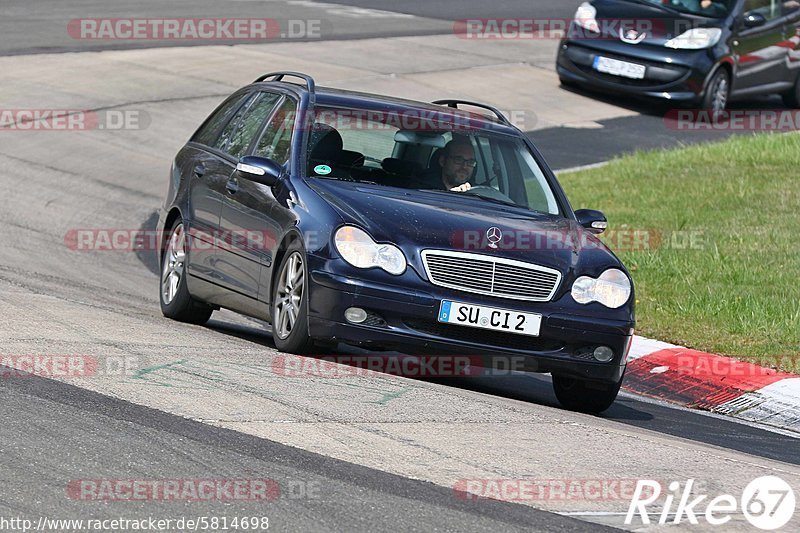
(290, 303)
(584, 397)
(792, 97)
(715, 99)
(176, 302)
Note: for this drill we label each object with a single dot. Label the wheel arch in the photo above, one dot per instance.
(728, 65)
(173, 215)
(289, 238)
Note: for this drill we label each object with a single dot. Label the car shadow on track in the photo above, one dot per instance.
(148, 255)
(529, 388)
(655, 126)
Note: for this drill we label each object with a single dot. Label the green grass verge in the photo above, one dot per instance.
(721, 270)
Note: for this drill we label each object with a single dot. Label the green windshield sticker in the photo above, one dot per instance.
(323, 170)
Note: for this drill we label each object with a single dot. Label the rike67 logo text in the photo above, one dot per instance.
(767, 503)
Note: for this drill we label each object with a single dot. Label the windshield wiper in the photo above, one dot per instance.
(495, 200)
(475, 195)
(349, 180)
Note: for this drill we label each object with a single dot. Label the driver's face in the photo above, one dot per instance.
(457, 164)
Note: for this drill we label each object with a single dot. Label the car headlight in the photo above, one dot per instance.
(612, 289)
(586, 17)
(357, 248)
(695, 39)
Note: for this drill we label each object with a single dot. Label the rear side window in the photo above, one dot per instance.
(244, 126)
(251, 123)
(208, 133)
(276, 142)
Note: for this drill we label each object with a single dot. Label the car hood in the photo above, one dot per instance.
(658, 25)
(419, 220)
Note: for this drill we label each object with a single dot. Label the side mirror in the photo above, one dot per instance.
(259, 169)
(594, 221)
(753, 19)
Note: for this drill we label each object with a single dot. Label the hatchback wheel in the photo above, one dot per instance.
(176, 302)
(578, 395)
(290, 303)
(792, 97)
(716, 96)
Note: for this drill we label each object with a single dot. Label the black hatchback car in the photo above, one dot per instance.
(395, 225)
(694, 52)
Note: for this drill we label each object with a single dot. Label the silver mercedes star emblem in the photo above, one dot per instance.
(494, 235)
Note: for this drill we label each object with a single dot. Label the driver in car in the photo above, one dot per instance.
(706, 7)
(458, 163)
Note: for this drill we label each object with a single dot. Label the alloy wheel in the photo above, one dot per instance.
(720, 98)
(174, 265)
(289, 297)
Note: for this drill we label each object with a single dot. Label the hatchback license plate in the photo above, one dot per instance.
(479, 316)
(619, 68)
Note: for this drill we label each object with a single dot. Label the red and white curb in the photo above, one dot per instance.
(713, 383)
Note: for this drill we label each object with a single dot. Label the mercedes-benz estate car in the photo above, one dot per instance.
(343, 217)
(701, 53)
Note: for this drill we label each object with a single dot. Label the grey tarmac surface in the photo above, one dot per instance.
(60, 435)
(41, 26)
(475, 9)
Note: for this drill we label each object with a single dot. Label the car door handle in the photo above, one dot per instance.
(200, 170)
(232, 186)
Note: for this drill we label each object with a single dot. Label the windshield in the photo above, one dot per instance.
(386, 149)
(706, 8)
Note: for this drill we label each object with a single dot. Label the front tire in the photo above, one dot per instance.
(290, 303)
(715, 99)
(583, 396)
(176, 302)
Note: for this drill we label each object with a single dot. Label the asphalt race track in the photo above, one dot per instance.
(40, 28)
(352, 453)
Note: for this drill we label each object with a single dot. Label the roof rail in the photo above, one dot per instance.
(454, 105)
(278, 76)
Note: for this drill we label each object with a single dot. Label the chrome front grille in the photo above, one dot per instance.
(488, 275)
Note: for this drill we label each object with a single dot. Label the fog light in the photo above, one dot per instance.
(604, 354)
(355, 315)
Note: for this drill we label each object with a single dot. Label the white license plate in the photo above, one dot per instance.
(619, 68)
(479, 316)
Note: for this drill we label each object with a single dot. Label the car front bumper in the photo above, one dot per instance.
(672, 75)
(406, 319)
